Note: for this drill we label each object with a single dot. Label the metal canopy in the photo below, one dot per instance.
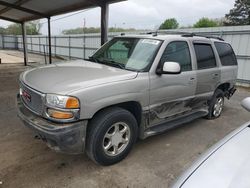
(21, 11)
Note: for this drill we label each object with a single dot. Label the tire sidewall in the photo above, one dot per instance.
(218, 93)
(98, 151)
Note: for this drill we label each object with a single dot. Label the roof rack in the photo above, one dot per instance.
(206, 36)
(174, 32)
(154, 33)
(183, 34)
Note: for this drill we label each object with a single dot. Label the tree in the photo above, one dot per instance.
(169, 24)
(240, 14)
(205, 22)
(32, 28)
(80, 30)
(2, 30)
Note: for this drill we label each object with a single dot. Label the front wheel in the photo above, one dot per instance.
(216, 105)
(111, 135)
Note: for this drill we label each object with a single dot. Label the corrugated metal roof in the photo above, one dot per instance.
(26, 10)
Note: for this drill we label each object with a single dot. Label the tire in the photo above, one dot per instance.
(215, 109)
(106, 129)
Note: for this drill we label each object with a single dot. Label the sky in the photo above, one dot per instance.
(141, 14)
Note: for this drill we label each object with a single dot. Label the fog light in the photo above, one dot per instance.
(56, 114)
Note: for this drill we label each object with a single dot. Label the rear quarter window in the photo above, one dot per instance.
(226, 53)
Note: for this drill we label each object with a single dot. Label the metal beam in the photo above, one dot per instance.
(104, 23)
(19, 2)
(49, 38)
(30, 11)
(24, 45)
(9, 19)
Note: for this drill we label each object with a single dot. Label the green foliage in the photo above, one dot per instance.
(169, 24)
(32, 28)
(240, 14)
(93, 30)
(206, 22)
(2, 30)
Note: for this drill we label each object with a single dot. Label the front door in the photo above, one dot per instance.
(171, 95)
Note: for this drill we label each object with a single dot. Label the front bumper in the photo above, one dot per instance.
(62, 137)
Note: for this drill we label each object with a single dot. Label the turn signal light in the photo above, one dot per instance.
(59, 114)
(72, 103)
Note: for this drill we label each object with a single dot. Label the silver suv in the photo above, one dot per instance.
(132, 87)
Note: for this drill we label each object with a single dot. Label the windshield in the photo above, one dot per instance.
(128, 53)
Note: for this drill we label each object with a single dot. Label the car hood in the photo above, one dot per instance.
(228, 166)
(63, 78)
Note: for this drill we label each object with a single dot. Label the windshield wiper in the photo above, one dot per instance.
(113, 63)
(94, 59)
(107, 62)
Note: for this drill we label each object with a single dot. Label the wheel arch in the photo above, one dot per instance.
(133, 107)
(224, 86)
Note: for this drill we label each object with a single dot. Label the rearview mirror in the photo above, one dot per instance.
(246, 103)
(170, 68)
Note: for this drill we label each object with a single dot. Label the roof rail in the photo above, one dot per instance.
(174, 32)
(183, 34)
(154, 33)
(206, 36)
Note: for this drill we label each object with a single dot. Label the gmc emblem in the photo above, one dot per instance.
(26, 96)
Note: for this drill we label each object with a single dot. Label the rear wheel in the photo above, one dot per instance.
(111, 135)
(216, 105)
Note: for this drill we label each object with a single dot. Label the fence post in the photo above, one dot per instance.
(39, 39)
(31, 46)
(55, 45)
(3, 41)
(69, 47)
(16, 42)
(84, 46)
(45, 57)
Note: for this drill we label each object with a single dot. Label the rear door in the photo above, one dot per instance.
(208, 73)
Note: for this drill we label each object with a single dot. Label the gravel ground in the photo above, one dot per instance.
(154, 162)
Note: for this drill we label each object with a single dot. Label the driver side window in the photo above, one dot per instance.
(178, 51)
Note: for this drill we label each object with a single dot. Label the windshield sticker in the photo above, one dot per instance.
(149, 41)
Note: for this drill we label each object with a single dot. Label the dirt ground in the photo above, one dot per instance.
(154, 162)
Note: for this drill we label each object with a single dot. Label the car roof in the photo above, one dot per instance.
(174, 37)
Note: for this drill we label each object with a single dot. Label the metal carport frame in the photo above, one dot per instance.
(21, 11)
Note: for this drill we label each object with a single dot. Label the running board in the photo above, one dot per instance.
(157, 129)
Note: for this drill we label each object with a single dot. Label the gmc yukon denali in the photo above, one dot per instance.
(133, 87)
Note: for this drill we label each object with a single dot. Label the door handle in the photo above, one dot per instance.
(215, 76)
(191, 80)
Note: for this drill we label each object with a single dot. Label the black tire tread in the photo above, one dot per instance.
(218, 92)
(94, 127)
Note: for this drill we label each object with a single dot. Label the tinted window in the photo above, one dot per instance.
(205, 56)
(226, 53)
(178, 52)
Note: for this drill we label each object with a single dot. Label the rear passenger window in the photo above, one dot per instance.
(205, 56)
(226, 53)
(178, 51)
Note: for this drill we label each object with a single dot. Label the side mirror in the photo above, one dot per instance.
(169, 68)
(246, 103)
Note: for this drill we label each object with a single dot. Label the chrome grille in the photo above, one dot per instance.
(34, 101)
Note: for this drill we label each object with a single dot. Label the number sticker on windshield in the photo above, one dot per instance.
(149, 41)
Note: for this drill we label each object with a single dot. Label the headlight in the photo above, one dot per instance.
(60, 101)
(62, 108)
